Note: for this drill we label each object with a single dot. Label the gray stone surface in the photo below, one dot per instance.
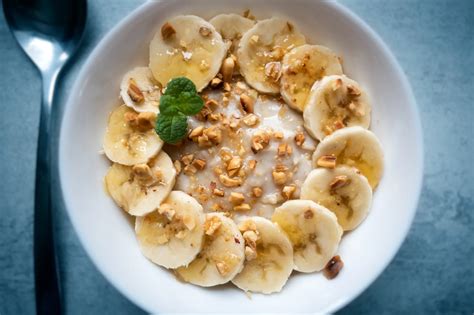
(432, 273)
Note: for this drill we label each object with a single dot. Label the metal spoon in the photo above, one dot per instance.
(49, 31)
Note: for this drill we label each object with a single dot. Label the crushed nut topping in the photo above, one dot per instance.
(211, 225)
(327, 161)
(166, 210)
(215, 82)
(187, 159)
(135, 93)
(299, 138)
(167, 31)
(199, 164)
(247, 225)
(278, 135)
(250, 253)
(279, 177)
(247, 103)
(339, 182)
(257, 191)
(218, 192)
(251, 120)
(196, 132)
(333, 267)
(242, 207)
(254, 39)
(229, 182)
(273, 70)
(288, 191)
(177, 166)
(189, 169)
(189, 222)
(227, 69)
(260, 141)
(284, 149)
(222, 268)
(236, 198)
(252, 164)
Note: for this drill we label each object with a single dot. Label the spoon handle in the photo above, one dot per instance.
(46, 273)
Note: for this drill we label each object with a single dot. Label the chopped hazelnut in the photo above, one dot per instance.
(211, 225)
(260, 140)
(229, 182)
(196, 132)
(254, 39)
(250, 253)
(278, 135)
(299, 139)
(242, 207)
(225, 155)
(252, 164)
(327, 161)
(181, 234)
(222, 268)
(142, 171)
(215, 82)
(167, 31)
(288, 191)
(187, 159)
(189, 222)
(273, 70)
(279, 177)
(199, 164)
(247, 103)
(236, 198)
(227, 69)
(177, 166)
(218, 192)
(166, 210)
(251, 120)
(257, 191)
(339, 182)
(211, 103)
(135, 93)
(247, 225)
(333, 267)
(282, 149)
(227, 87)
(234, 163)
(189, 169)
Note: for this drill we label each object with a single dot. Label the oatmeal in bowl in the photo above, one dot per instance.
(243, 152)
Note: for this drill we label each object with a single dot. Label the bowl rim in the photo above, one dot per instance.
(412, 107)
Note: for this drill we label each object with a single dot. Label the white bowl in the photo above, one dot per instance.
(107, 233)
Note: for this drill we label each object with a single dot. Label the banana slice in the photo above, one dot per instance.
(261, 50)
(353, 146)
(269, 257)
(222, 256)
(232, 27)
(342, 190)
(303, 66)
(141, 189)
(172, 235)
(140, 91)
(336, 102)
(313, 231)
(187, 46)
(130, 137)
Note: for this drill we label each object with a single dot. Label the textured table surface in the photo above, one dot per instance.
(434, 270)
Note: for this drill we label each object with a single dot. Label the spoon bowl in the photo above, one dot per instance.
(49, 31)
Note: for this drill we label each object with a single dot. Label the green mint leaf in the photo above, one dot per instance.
(179, 85)
(189, 103)
(172, 128)
(168, 105)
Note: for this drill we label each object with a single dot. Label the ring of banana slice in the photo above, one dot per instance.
(253, 224)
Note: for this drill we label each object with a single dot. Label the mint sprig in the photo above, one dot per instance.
(179, 101)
